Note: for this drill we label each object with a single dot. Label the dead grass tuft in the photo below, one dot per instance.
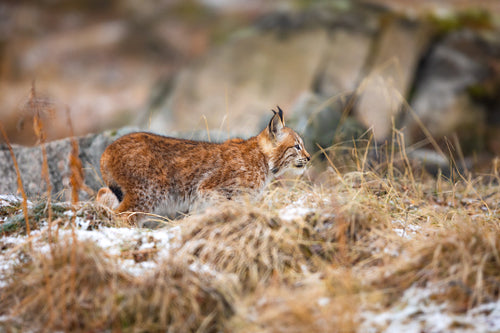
(246, 241)
(178, 297)
(343, 233)
(257, 245)
(462, 260)
(38, 293)
(20, 186)
(175, 297)
(326, 302)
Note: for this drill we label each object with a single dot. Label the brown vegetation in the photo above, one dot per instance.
(312, 255)
(246, 267)
(42, 296)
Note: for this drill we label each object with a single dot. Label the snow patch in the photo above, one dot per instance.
(298, 209)
(405, 229)
(115, 241)
(291, 213)
(417, 312)
(323, 301)
(9, 200)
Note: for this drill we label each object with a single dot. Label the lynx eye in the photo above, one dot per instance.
(297, 147)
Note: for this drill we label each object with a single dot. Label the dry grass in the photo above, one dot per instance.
(42, 295)
(20, 186)
(363, 240)
(39, 289)
(463, 260)
(255, 243)
(353, 234)
(243, 240)
(320, 302)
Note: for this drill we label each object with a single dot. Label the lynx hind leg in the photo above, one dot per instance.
(126, 209)
(107, 198)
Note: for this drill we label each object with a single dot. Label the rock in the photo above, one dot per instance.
(493, 139)
(442, 103)
(323, 122)
(390, 74)
(284, 56)
(30, 164)
(99, 61)
(432, 161)
(235, 86)
(343, 62)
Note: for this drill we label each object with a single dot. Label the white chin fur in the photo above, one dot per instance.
(293, 171)
(298, 171)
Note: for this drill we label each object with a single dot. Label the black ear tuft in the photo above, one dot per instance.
(276, 124)
(280, 113)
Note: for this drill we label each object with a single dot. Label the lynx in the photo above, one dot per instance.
(156, 174)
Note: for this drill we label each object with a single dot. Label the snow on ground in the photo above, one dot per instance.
(416, 312)
(9, 200)
(404, 229)
(115, 241)
(293, 212)
(300, 208)
(296, 209)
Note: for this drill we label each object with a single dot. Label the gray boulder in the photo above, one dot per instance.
(442, 103)
(324, 122)
(390, 73)
(58, 152)
(234, 87)
(284, 56)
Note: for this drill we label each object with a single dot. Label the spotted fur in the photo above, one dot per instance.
(153, 173)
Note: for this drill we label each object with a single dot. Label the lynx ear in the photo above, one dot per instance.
(276, 124)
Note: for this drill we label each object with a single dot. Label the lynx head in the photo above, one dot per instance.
(283, 147)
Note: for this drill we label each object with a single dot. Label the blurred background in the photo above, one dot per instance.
(340, 69)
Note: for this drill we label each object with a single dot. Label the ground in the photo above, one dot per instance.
(348, 250)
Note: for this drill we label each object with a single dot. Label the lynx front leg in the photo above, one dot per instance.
(206, 198)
